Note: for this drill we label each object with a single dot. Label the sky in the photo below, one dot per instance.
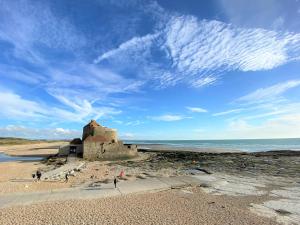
(169, 69)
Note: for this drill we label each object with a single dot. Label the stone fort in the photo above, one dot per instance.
(99, 143)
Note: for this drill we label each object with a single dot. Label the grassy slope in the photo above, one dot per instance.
(19, 141)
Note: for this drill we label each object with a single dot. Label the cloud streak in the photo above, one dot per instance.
(228, 112)
(168, 118)
(16, 107)
(269, 93)
(199, 52)
(196, 109)
(136, 44)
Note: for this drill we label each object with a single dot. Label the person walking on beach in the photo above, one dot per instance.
(115, 182)
(38, 175)
(66, 177)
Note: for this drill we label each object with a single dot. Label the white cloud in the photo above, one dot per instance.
(168, 117)
(136, 44)
(36, 25)
(204, 81)
(16, 107)
(228, 112)
(285, 126)
(198, 52)
(281, 126)
(196, 109)
(269, 93)
(20, 74)
(38, 133)
(134, 123)
(201, 47)
(91, 82)
(267, 115)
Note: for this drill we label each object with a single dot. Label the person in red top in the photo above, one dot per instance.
(122, 173)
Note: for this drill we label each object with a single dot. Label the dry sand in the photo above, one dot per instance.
(39, 149)
(16, 177)
(190, 206)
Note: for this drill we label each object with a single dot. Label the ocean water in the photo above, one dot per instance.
(249, 145)
(7, 158)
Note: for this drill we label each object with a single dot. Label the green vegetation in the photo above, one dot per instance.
(19, 141)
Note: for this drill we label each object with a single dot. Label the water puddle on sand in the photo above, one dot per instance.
(7, 158)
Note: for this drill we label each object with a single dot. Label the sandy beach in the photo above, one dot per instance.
(191, 206)
(238, 190)
(35, 149)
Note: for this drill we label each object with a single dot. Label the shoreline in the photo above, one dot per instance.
(161, 147)
(167, 148)
(248, 175)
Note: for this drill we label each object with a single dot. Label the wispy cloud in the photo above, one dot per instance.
(134, 123)
(16, 107)
(38, 133)
(201, 47)
(285, 126)
(196, 109)
(200, 52)
(136, 44)
(269, 93)
(36, 25)
(228, 112)
(91, 82)
(168, 117)
(20, 74)
(280, 115)
(76, 85)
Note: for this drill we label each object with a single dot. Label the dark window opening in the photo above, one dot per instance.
(73, 149)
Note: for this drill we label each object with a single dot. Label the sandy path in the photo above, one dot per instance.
(190, 206)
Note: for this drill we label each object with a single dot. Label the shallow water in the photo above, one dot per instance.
(7, 158)
(249, 145)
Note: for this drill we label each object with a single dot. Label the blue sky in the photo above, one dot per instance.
(151, 69)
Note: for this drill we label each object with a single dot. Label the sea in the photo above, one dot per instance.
(7, 158)
(248, 145)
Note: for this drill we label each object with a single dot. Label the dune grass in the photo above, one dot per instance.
(20, 141)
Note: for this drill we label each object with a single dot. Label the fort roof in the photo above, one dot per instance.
(93, 123)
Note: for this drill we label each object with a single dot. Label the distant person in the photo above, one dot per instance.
(38, 175)
(66, 177)
(115, 182)
(33, 175)
(121, 174)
